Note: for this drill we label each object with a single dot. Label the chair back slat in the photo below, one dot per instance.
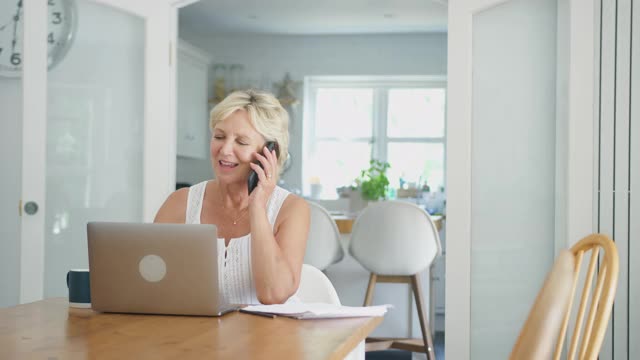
(606, 303)
(579, 257)
(565, 321)
(584, 299)
(592, 314)
(599, 302)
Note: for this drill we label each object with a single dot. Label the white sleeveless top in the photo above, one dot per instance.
(235, 279)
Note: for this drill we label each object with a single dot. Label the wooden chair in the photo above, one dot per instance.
(549, 316)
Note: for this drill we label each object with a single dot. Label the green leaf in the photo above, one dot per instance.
(373, 181)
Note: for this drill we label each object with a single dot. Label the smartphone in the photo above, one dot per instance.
(252, 182)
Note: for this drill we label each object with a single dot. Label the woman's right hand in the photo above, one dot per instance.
(267, 176)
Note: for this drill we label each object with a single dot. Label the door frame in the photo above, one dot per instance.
(576, 147)
(459, 137)
(159, 148)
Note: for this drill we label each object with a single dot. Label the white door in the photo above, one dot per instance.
(98, 133)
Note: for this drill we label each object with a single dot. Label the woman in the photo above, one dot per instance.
(262, 235)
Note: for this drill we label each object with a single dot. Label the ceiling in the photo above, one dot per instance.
(305, 17)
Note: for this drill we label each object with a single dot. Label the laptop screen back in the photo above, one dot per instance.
(153, 268)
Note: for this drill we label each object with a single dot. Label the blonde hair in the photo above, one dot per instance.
(266, 114)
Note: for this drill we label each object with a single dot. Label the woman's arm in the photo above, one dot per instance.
(174, 208)
(277, 256)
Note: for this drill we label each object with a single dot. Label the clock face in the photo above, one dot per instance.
(61, 26)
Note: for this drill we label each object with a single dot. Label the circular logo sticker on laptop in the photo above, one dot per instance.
(152, 268)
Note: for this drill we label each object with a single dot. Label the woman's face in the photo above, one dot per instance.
(233, 143)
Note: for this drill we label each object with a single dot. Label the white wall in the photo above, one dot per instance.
(267, 58)
(193, 171)
(10, 188)
(513, 168)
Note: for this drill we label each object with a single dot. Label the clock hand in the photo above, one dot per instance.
(16, 18)
(5, 25)
(19, 5)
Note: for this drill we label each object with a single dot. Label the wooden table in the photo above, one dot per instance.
(345, 222)
(49, 329)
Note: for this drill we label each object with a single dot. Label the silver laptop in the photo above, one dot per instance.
(154, 269)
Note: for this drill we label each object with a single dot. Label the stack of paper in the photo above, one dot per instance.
(318, 310)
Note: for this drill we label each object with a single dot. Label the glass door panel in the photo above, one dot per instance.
(95, 118)
(513, 167)
(10, 155)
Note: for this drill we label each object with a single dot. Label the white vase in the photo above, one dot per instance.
(316, 190)
(357, 202)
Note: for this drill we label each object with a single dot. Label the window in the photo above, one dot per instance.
(350, 120)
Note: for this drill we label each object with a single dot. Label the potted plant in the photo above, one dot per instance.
(373, 182)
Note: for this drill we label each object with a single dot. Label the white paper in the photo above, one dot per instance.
(319, 310)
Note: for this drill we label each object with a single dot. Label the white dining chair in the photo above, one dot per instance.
(323, 244)
(315, 287)
(396, 241)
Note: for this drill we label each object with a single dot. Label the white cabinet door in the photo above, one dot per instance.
(439, 282)
(193, 117)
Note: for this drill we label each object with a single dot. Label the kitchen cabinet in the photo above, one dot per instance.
(438, 275)
(192, 106)
(438, 285)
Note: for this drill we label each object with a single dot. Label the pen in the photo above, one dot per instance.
(272, 316)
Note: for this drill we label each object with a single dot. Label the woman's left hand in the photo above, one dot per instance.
(267, 176)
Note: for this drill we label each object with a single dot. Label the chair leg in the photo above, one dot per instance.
(432, 301)
(368, 298)
(424, 324)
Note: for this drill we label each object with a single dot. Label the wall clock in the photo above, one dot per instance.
(61, 28)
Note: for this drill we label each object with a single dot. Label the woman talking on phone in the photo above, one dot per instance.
(262, 233)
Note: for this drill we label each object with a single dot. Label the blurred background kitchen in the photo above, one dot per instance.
(365, 87)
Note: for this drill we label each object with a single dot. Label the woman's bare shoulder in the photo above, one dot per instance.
(294, 206)
(174, 208)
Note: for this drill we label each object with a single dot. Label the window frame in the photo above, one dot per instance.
(379, 140)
